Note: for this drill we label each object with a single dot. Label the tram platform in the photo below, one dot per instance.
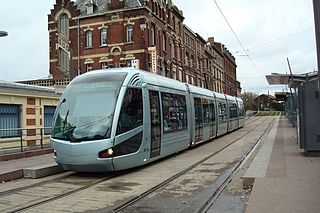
(13, 169)
(284, 179)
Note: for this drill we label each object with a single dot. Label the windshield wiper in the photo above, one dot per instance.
(95, 122)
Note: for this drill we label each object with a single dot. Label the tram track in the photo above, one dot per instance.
(56, 197)
(90, 184)
(231, 175)
(29, 186)
(215, 194)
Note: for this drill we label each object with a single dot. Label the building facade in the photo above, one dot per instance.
(148, 34)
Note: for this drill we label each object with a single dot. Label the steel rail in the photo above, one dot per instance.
(62, 195)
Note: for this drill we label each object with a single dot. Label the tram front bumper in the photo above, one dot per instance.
(83, 156)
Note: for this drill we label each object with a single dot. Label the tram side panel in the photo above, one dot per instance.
(131, 141)
(232, 113)
(241, 112)
(203, 114)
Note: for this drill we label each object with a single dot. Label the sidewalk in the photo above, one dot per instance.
(13, 169)
(291, 181)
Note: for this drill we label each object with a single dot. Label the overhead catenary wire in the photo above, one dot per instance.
(276, 40)
(237, 38)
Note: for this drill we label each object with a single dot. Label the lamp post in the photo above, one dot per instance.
(3, 33)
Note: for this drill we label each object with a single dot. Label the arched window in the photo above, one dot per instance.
(64, 25)
(103, 36)
(89, 39)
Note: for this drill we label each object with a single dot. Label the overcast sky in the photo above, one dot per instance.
(270, 31)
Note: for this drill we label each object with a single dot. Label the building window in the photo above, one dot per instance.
(9, 119)
(63, 60)
(103, 37)
(164, 43)
(178, 52)
(153, 35)
(130, 33)
(186, 59)
(64, 25)
(88, 67)
(187, 78)
(174, 73)
(172, 49)
(48, 118)
(104, 65)
(89, 39)
(180, 75)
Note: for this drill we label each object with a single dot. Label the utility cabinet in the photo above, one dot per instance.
(309, 118)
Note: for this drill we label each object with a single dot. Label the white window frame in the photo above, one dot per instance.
(64, 61)
(103, 37)
(104, 65)
(129, 30)
(88, 67)
(64, 25)
(89, 39)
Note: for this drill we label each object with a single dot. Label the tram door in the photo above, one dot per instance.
(198, 119)
(155, 124)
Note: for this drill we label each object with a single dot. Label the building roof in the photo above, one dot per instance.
(17, 86)
(265, 95)
(102, 5)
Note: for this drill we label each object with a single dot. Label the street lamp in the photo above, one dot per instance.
(3, 33)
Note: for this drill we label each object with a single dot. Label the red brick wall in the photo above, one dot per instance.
(31, 111)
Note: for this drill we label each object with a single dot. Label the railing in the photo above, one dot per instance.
(24, 139)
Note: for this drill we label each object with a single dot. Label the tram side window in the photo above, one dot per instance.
(198, 112)
(241, 110)
(206, 112)
(233, 110)
(212, 113)
(131, 115)
(174, 112)
(222, 112)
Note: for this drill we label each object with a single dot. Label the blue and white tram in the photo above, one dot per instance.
(116, 119)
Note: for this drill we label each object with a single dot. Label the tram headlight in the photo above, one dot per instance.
(106, 153)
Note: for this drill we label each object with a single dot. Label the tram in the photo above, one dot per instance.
(120, 118)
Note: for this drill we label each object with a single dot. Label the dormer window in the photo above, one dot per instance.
(91, 6)
(89, 9)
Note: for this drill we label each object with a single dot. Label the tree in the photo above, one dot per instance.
(248, 99)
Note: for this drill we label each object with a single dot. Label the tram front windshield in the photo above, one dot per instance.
(86, 108)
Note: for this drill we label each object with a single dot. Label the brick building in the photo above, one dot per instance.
(148, 34)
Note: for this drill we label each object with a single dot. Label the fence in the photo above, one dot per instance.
(24, 139)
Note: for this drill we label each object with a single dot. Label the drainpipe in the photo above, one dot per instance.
(78, 47)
